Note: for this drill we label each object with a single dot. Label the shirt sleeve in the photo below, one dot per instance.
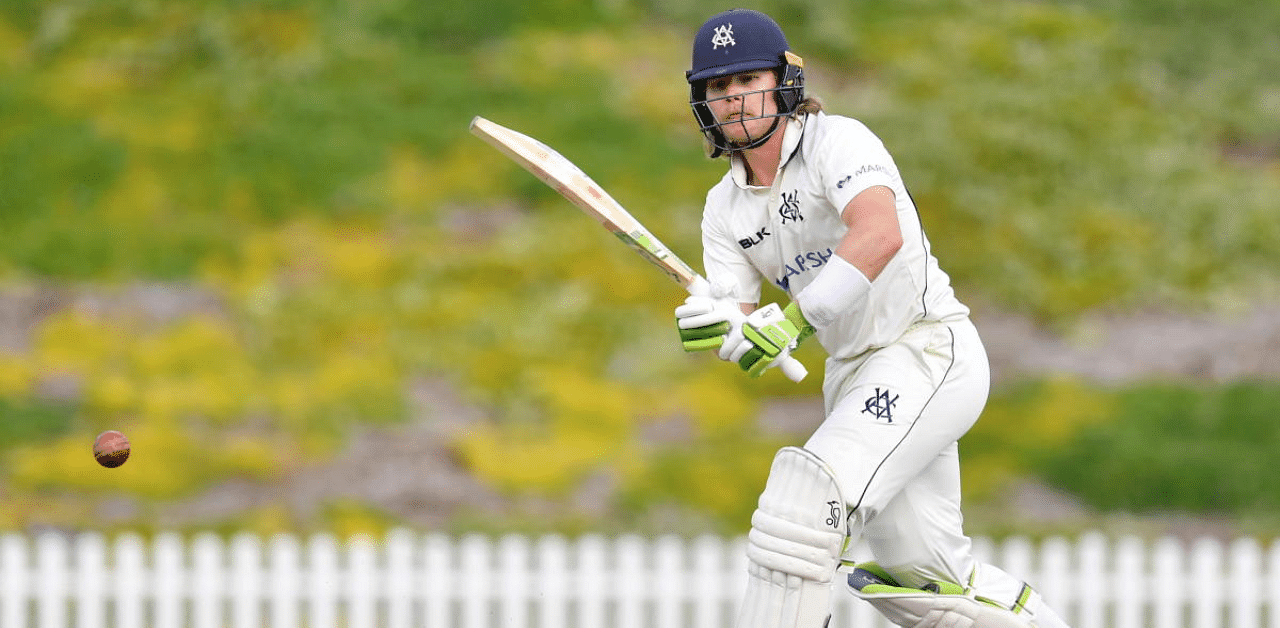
(721, 256)
(852, 159)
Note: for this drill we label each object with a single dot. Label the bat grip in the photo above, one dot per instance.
(699, 287)
(791, 367)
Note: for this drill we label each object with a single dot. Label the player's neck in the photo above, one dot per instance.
(762, 161)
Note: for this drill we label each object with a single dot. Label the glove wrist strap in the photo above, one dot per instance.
(792, 313)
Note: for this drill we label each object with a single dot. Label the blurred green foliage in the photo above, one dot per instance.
(305, 163)
(28, 421)
(1024, 423)
(1177, 448)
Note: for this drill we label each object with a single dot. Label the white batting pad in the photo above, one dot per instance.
(797, 535)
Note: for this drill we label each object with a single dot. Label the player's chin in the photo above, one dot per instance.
(740, 131)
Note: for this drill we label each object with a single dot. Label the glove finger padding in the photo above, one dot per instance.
(703, 338)
(754, 361)
(703, 322)
(772, 334)
(700, 312)
(735, 345)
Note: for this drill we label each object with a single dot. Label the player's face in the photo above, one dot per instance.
(741, 105)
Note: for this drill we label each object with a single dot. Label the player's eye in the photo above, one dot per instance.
(720, 86)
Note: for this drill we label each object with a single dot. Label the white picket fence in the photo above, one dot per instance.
(409, 579)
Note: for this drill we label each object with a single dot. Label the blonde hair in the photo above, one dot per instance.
(811, 104)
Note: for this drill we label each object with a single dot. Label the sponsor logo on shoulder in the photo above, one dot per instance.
(864, 170)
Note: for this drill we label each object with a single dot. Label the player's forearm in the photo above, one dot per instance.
(870, 251)
(872, 239)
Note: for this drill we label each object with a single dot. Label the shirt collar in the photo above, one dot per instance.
(792, 135)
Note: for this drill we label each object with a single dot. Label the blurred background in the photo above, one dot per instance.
(257, 238)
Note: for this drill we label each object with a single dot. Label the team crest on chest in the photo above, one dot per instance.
(723, 37)
(790, 209)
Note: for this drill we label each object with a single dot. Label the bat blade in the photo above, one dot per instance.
(572, 183)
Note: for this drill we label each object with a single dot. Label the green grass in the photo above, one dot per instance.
(29, 421)
(1176, 448)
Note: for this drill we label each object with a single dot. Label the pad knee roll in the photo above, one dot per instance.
(797, 535)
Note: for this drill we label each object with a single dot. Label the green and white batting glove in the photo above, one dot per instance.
(704, 320)
(769, 335)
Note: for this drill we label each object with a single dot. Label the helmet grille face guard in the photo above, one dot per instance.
(742, 40)
(788, 95)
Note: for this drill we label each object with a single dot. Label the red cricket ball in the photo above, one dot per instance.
(111, 449)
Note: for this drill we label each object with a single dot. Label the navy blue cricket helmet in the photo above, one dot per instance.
(742, 40)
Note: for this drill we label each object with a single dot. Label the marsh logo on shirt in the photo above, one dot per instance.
(870, 168)
(802, 264)
(790, 209)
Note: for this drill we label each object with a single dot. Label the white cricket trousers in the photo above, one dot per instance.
(893, 417)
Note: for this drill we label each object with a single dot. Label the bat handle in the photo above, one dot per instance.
(699, 287)
(791, 367)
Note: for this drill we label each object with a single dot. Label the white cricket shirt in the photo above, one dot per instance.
(785, 234)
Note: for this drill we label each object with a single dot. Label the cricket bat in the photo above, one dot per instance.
(572, 183)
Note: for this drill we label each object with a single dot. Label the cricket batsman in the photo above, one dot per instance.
(814, 204)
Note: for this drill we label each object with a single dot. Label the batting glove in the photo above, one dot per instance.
(769, 335)
(705, 320)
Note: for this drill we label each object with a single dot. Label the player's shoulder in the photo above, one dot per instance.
(722, 189)
(719, 196)
(824, 128)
